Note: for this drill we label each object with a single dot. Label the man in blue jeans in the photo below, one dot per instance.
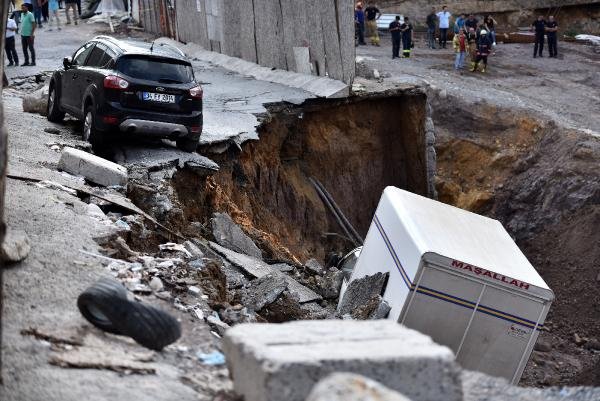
(27, 34)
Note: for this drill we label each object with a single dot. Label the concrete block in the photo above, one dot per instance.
(274, 362)
(350, 387)
(95, 169)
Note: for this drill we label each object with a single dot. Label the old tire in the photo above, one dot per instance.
(149, 326)
(114, 313)
(104, 290)
(54, 113)
(91, 134)
(188, 145)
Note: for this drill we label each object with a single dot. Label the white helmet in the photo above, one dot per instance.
(483, 32)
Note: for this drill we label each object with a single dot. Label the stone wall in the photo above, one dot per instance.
(3, 162)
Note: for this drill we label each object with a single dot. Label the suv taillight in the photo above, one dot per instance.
(115, 82)
(196, 92)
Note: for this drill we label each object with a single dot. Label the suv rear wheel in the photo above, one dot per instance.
(53, 110)
(90, 132)
(187, 145)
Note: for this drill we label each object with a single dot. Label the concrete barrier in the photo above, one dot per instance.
(350, 387)
(274, 362)
(93, 168)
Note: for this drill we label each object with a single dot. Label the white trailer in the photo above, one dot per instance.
(459, 278)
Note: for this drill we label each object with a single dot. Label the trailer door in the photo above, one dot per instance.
(502, 333)
(441, 306)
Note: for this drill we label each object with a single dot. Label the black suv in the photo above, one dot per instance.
(135, 87)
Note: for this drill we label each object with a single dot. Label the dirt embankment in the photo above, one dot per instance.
(352, 147)
(542, 182)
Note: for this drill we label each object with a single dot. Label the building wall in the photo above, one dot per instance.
(272, 33)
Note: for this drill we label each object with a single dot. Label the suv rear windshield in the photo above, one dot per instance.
(164, 71)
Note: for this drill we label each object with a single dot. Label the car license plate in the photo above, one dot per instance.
(158, 97)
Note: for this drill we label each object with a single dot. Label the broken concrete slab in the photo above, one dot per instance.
(263, 291)
(313, 266)
(374, 308)
(273, 362)
(153, 158)
(15, 246)
(330, 284)
(95, 169)
(351, 387)
(257, 268)
(230, 235)
(360, 292)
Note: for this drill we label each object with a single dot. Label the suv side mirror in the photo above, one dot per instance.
(67, 63)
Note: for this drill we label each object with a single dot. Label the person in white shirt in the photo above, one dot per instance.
(9, 42)
(444, 24)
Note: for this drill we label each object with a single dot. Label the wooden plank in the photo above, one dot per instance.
(289, 35)
(231, 44)
(315, 36)
(331, 38)
(269, 34)
(345, 15)
(246, 30)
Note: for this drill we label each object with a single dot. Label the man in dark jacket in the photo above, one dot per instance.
(539, 26)
(484, 46)
(407, 37)
(396, 36)
(431, 19)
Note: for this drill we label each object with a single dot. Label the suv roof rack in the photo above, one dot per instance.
(114, 41)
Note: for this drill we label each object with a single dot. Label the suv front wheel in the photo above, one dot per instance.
(90, 132)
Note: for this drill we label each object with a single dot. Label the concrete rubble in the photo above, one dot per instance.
(15, 247)
(351, 387)
(231, 236)
(363, 297)
(95, 169)
(265, 368)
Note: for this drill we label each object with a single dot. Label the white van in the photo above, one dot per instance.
(459, 278)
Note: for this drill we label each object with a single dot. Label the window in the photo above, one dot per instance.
(96, 56)
(152, 69)
(82, 53)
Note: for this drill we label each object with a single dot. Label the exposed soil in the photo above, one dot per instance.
(543, 184)
(350, 147)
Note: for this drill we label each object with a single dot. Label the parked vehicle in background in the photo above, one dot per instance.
(128, 88)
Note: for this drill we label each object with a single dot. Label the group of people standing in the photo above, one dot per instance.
(26, 17)
(549, 28)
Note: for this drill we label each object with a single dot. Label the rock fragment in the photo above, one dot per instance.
(351, 387)
(361, 292)
(231, 236)
(15, 247)
(314, 267)
(263, 291)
